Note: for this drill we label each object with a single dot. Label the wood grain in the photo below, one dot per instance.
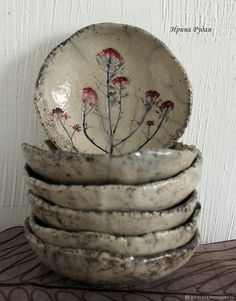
(30, 29)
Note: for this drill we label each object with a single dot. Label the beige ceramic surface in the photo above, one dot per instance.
(135, 168)
(113, 222)
(146, 244)
(112, 88)
(154, 196)
(103, 268)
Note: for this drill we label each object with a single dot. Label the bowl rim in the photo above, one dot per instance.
(191, 221)
(190, 199)
(52, 132)
(40, 182)
(191, 245)
(146, 151)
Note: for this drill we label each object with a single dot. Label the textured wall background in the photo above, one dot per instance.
(30, 29)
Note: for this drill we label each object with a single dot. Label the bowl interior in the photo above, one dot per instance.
(112, 89)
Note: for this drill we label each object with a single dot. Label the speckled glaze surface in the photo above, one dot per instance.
(140, 167)
(113, 222)
(154, 196)
(146, 244)
(112, 88)
(103, 268)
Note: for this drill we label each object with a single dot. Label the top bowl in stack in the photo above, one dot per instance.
(113, 100)
(139, 167)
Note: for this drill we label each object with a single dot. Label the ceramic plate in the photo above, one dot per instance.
(113, 89)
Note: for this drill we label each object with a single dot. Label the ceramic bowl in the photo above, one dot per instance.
(146, 244)
(113, 222)
(103, 268)
(112, 88)
(136, 168)
(154, 196)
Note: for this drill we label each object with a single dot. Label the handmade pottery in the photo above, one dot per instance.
(146, 244)
(103, 268)
(114, 89)
(140, 167)
(113, 222)
(154, 196)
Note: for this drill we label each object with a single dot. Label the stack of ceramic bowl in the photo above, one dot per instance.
(114, 207)
(123, 233)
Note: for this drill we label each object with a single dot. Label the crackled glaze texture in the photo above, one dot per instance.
(146, 244)
(103, 268)
(153, 196)
(113, 222)
(135, 168)
(113, 89)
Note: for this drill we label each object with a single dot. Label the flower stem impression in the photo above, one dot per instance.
(114, 90)
(62, 116)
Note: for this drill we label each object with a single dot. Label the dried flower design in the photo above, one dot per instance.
(76, 127)
(110, 58)
(61, 116)
(167, 105)
(89, 96)
(58, 113)
(114, 89)
(151, 97)
(120, 82)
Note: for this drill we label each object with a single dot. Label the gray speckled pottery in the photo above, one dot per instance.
(135, 168)
(103, 268)
(154, 196)
(113, 222)
(146, 244)
(112, 88)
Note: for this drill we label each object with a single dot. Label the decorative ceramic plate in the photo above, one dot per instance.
(112, 89)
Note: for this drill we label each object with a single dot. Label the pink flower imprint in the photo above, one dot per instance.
(113, 88)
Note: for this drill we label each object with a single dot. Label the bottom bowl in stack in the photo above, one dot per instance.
(110, 269)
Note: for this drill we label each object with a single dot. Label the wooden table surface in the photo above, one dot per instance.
(209, 275)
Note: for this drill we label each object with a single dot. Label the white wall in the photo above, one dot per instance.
(29, 29)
